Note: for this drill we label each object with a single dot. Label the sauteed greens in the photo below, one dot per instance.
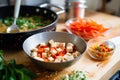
(24, 23)
(13, 71)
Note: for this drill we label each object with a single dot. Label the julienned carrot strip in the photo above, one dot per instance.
(87, 28)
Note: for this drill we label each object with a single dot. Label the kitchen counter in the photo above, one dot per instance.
(95, 70)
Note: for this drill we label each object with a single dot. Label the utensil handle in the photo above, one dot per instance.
(61, 9)
(17, 8)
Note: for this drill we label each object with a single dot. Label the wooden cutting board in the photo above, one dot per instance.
(94, 70)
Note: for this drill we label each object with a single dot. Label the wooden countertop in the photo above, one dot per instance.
(95, 70)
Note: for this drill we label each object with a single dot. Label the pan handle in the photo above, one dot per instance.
(60, 9)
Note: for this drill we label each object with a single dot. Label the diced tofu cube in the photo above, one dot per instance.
(58, 59)
(43, 44)
(44, 55)
(69, 49)
(34, 54)
(33, 50)
(51, 42)
(53, 51)
(76, 53)
(69, 54)
(55, 44)
(70, 44)
(46, 49)
(68, 57)
(59, 49)
(62, 45)
(51, 59)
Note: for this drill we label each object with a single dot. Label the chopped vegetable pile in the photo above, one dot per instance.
(101, 51)
(55, 51)
(75, 75)
(13, 71)
(102, 48)
(87, 28)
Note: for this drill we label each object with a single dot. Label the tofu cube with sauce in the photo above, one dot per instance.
(51, 59)
(46, 49)
(69, 47)
(33, 54)
(59, 59)
(43, 44)
(44, 55)
(76, 53)
(62, 45)
(51, 42)
(59, 49)
(68, 56)
(53, 51)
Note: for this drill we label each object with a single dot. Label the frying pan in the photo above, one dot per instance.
(15, 40)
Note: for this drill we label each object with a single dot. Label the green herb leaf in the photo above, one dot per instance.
(98, 48)
(13, 71)
(28, 72)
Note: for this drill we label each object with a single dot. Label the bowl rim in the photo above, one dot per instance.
(76, 58)
(90, 49)
(87, 38)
